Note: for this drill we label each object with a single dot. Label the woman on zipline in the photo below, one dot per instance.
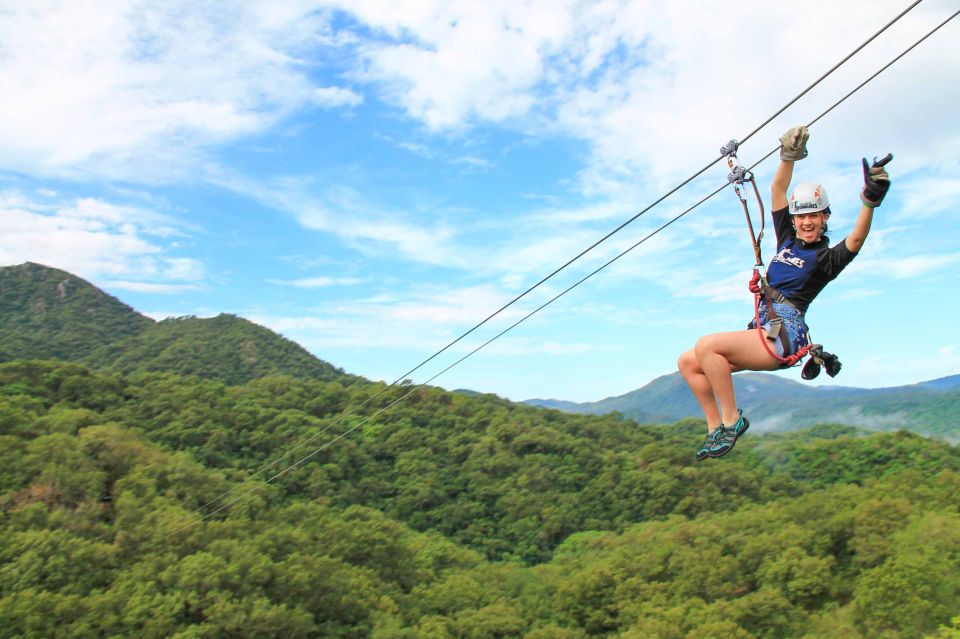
(804, 264)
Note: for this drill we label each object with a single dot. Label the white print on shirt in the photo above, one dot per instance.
(785, 257)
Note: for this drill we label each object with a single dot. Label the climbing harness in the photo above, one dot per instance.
(761, 288)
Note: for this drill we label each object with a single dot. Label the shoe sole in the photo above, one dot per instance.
(713, 455)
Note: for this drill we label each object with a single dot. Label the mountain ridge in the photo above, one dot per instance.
(49, 313)
(775, 403)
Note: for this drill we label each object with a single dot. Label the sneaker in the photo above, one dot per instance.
(727, 436)
(708, 441)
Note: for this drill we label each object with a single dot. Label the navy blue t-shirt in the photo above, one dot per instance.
(801, 270)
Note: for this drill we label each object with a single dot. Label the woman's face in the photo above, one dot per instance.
(808, 225)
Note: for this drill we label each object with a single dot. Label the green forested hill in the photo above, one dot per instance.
(449, 516)
(225, 348)
(46, 313)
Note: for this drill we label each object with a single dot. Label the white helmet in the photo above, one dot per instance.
(809, 197)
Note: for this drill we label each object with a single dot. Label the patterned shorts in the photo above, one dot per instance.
(793, 322)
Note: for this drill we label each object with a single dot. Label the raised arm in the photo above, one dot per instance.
(861, 228)
(793, 147)
(876, 183)
(780, 184)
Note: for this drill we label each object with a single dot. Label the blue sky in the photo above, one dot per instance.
(371, 179)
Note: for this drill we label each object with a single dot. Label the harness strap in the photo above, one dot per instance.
(774, 295)
(762, 290)
(759, 285)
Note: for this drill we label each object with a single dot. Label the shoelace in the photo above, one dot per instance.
(711, 438)
(720, 436)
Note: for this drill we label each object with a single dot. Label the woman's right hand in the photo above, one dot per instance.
(794, 144)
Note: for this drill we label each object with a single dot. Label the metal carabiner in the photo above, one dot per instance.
(737, 175)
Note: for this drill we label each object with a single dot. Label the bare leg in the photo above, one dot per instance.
(722, 354)
(693, 374)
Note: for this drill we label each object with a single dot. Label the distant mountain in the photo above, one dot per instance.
(46, 313)
(774, 403)
(943, 383)
(667, 398)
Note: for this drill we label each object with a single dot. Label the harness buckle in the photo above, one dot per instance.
(776, 325)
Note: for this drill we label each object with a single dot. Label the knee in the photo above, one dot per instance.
(704, 347)
(687, 362)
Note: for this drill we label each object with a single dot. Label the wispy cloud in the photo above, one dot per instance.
(419, 320)
(879, 370)
(119, 245)
(473, 162)
(902, 268)
(318, 282)
(933, 195)
(147, 287)
(331, 97)
(137, 92)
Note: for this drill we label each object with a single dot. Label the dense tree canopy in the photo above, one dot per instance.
(136, 505)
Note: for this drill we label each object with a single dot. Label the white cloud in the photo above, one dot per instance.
(454, 62)
(655, 89)
(318, 282)
(733, 288)
(901, 268)
(140, 91)
(524, 346)
(933, 194)
(147, 287)
(353, 217)
(457, 307)
(336, 97)
(473, 162)
(137, 90)
(97, 240)
(421, 320)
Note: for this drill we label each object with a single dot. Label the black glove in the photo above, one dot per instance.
(876, 182)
